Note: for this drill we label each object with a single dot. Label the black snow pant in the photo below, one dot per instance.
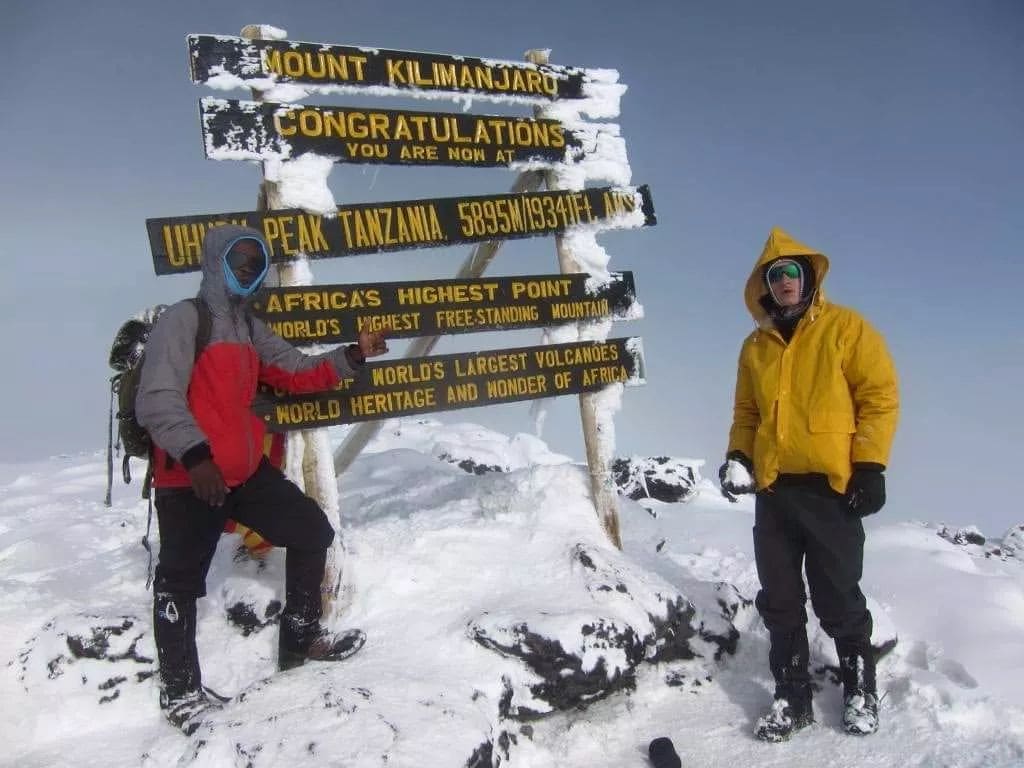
(268, 503)
(800, 520)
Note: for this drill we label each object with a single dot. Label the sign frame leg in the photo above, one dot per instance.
(596, 423)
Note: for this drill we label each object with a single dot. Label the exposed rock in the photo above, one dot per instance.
(1013, 542)
(102, 652)
(962, 536)
(470, 465)
(583, 656)
(566, 682)
(481, 757)
(246, 615)
(661, 478)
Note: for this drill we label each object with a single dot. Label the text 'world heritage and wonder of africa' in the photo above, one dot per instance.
(465, 380)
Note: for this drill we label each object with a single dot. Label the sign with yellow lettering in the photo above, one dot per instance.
(176, 242)
(464, 380)
(329, 314)
(216, 59)
(254, 130)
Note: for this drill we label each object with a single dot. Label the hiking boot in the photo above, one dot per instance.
(323, 645)
(301, 636)
(791, 711)
(860, 713)
(860, 696)
(189, 710)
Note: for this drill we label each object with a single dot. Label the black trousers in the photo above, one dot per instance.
(268, 503)
(798, 522)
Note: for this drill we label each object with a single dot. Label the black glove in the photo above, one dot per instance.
(865, 493)
(729, 489)
(208, 483)
(663, 753)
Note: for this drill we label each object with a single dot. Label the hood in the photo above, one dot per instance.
(780, 244)
(213, 289)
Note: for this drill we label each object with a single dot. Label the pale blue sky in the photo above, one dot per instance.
(888, 135)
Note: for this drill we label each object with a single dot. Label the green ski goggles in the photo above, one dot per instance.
(783, 269)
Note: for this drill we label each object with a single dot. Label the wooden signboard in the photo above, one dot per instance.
(176, 242)
(350, 68)
(262, 130)
(464, 380)
(329, 314)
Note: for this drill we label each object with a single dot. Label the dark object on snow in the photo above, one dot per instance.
(663, 753)
(661, 478)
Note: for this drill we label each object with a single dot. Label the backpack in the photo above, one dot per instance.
(127, 355)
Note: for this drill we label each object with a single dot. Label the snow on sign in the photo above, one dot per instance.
(176, 242)
(463, 380)
(328, 314)
(215, 58)
(253, 130)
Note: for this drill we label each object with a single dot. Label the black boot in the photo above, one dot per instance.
(182, 697)
(860, 694)
(301, 636)
(299, 642)
(792, 709)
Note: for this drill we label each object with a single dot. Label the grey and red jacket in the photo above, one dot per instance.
(196, 409)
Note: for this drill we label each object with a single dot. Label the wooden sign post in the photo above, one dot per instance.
(541, 147)
(308, 453)
(596, 424)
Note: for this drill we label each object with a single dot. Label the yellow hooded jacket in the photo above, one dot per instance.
(823, 401)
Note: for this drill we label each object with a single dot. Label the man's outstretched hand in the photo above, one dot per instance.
(372, 343)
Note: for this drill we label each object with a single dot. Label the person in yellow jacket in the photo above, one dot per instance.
(815, 412)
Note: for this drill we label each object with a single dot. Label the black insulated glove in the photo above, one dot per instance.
(731, 487)
(865, 493)
(663, 753)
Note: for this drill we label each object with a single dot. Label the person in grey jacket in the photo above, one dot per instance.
(208, 463)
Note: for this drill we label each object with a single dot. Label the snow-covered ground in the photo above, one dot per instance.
(442, 568)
